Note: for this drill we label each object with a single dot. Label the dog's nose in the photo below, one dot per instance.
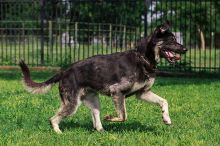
(184, 49)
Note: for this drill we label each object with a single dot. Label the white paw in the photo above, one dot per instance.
(55, 127)
(166, 119)
(57, 130)
(101, 130)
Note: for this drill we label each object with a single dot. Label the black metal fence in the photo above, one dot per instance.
(58, 32)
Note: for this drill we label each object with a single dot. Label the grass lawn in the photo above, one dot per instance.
(194, 110)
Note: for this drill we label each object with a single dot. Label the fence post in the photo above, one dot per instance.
(76, 34)
(110, 36)
(23, 31)
(42, 14)
(124, 37)
(212, 40)
(148, 3)
(50, 38)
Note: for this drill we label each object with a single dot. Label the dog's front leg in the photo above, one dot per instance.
(153, 98)
(119, 102)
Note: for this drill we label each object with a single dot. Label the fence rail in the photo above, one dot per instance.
(62, 45)
(55, 33)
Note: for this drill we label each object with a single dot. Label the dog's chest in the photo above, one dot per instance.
(147, 84)
(127, 87)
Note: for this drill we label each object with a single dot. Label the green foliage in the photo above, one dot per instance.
(190, 17)
(199, 14)
(24, 10)
(194, 110)
(117, 12)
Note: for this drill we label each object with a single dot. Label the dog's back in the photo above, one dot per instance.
(100, 72)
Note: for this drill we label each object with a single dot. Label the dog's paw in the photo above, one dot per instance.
(113, 119)
(108, 117)
(167, 122)
(166, 119)
(101, 130)
(58, 131)
(55, 127)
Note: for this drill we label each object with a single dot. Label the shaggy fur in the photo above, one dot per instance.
(118, 75)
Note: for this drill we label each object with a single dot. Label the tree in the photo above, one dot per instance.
(105, 11)
(199, 16)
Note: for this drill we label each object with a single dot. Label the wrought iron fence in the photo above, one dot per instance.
(58, 32)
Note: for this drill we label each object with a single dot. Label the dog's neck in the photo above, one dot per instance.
(145, 47)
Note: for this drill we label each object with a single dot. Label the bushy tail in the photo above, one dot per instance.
(34, 87)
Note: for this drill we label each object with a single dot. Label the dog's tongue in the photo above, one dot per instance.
(171, 55)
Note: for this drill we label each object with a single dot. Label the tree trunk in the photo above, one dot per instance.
(202, 39)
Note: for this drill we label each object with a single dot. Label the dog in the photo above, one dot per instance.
(118, 75)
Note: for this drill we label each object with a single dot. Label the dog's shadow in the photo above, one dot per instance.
(110, 126)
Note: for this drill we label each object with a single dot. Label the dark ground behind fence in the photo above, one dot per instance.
(55, 33)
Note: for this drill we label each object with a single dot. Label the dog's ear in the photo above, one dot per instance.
(164, 27)
(159, 31)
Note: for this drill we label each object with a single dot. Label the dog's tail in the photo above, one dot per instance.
(34, 87)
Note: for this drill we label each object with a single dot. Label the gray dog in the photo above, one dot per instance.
(117, 75)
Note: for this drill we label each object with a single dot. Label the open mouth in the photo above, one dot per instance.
(171, 56)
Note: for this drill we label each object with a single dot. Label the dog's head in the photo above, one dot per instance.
(166, 44)
(162, 43)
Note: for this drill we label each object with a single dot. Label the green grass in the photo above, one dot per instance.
(194, 110)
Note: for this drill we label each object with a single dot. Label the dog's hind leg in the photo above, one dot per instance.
(153, 98)
(67, 108)
(91, 100)
(119, 102)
